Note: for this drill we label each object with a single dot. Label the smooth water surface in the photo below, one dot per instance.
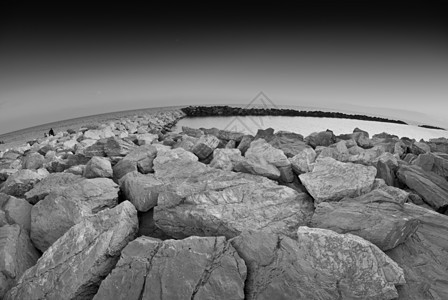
(307, 125)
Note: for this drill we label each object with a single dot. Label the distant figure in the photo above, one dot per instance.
(51, 132)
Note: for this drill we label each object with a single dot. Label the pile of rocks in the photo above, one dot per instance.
(127, 211)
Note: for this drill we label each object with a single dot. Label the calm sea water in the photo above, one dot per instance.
(307, 125)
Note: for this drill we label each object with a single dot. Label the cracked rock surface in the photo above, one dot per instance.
(320, 264)
(193, 268)
(332, 180)
(73, 267)
(376, 217)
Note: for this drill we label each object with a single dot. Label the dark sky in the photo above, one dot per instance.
(59, 62)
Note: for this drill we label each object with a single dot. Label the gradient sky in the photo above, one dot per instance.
(63, 62)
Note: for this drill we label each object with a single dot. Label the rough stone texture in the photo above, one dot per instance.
(61, 209)
(418, 148)
(439, 145)
(424, 257)
(245, 143)
(385, 173)
(430, 186)
(205, 146)
(258, 166)
(226, 159)
(22, 181)
(146, 139)
(193, 268)
(122, 168)
(73, 267)
(193, 132)
(362, 139)
(321, 264)
(53, 182)
(5, 173)
(33, 161)
(323, 138)
(175, 163)
(302, 162)
(331, 180)
(141, 190)
(290, 143)
(17, 211)
(98, 167)
(376, 217)
(118, 147)
(261, 149)
(147, 226)
(440, 166)
(17, 254)
(214, 202)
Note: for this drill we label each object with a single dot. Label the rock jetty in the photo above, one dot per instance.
(131, 210)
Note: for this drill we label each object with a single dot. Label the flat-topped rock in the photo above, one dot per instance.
(196, 267)
(376, 217)
(320, 264)
(332, 180)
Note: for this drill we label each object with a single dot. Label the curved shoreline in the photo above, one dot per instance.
(213, 111)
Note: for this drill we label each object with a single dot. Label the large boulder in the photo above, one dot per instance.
(17, 254)
(214, 202)
(440, 166)
(74, 266)
(332, 180)
(303, 161)
(261, 149)
(193, 268)
(320, 264)
(118, 147)
(226, 159)
(290, 143)
(141, 190)
(258, 166)
(376, 217)
(205, 146)
(16, 210)
(323, 138)
(61, 209)
(439, 145)
(423, 257)
(98, 167)
(430, 186)
(176, 163)
(33, 161)
(245, 143)
(53, 182)
(22, 181)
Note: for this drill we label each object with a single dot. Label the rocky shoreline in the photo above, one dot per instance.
(209, 111)
(131, 210)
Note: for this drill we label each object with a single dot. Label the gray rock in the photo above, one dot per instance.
(320, 264)
(376, 217)
(245, 143)
(440, 166)
(118, 147)
(22, 181)
(141, 190)
(17, 254)
(192, 131)
(122, 168)
(53, 182)
(61, 209)
(260, 149)
(303, 161)
(430, 186)
(418, 148)
(216, 203)
(193, 268)
(423, 257)
(226, 159)
(33, 161)
(258, 166)
(17, 211)
(290, 143)
(332, 180)
(323, 138)
(98, 167)
(74, 266)
(205, 146)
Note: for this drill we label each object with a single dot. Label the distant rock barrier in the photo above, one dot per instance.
(209, 111)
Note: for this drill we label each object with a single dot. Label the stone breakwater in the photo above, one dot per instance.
(131, 210)
(209, 111)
